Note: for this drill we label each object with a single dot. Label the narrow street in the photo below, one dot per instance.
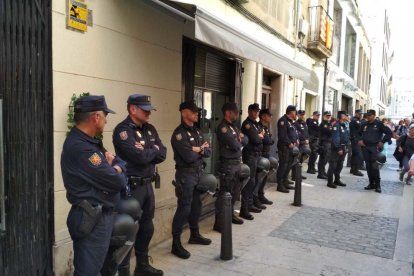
(343, 231)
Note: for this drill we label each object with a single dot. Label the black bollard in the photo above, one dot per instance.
(226, 252)
(297, 199)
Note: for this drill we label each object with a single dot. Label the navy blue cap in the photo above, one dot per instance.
(265, 111)
(358, 110)
(327, 113)
(254, 107)
(230, 106)
(142, 101)
(317, 113)
(290, 108)
(91, 103)
(189, 105)
(371, 112)
(301, 112)
(341, 113)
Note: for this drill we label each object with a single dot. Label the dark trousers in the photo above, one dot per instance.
(89, 250)
(336, 163)
(188, 201)
(314, 145)
(250, 159)
(356, 157)
(229, 182)
(324, 155)
(370, 154)
(144, 194)
(285, 164)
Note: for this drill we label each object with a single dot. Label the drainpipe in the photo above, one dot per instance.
(325, 76)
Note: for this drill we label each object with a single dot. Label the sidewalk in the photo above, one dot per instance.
(343, 231)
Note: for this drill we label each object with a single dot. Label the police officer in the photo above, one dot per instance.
(189, 149)
(230, 140)
(265, 117)
(325, 139)
(137, 142)
(340, 138)
(93, 178)
(303, 135)
(356, 157)
(251, 153)
(287, 140)
(313, 127)
(372, 136)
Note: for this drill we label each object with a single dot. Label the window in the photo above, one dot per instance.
(350, 49)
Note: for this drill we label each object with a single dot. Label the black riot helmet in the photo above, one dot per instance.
(123, 225)
(263, 164)
(381, 158)
(295, 151)
(207, 183)
(130, 207)
(244, 171)
(274, 163)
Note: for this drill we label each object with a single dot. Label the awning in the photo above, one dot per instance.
(213, 31)
(259, 46)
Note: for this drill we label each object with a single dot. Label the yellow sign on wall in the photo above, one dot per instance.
(78, 15)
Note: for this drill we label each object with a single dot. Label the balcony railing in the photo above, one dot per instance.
(320, 32)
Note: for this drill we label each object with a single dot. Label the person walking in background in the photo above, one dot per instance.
(405, 145)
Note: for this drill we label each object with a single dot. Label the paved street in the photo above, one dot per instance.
(344, 231)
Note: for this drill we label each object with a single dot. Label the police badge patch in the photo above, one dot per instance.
(149, 132)
(123, 135)
(282, 123)
(224, 129)
(248, 126)
(179, 137)
(95, 159)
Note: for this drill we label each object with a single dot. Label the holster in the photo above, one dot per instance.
(90, 217)
(178, 189)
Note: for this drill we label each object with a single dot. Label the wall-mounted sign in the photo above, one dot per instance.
(77, 15)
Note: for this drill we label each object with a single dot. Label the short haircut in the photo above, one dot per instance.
(82, 117)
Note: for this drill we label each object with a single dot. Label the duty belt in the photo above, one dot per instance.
(135, 181)
(194, 169)
(254, 153)
(231, 161)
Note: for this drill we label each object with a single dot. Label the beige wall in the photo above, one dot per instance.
(131, 48)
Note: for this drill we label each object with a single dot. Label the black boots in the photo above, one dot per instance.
(244, 211)
(378, 188)
(196, 238)
(178, 250)
(257, 203)
(311, 171)
(354, 170)
(236, 220)
(264, 200)
(143, 268)
(322, 176)
(370, 186)
(338, 182)
(281, 187)
(331, 185)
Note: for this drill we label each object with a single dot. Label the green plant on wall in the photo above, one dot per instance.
(71, 113)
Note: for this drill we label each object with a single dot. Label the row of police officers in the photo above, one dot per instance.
(98, 181)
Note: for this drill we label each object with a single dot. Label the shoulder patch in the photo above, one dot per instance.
(334, 128)
(282, 123)
(179, 137)
(149, 132)
(123, 135)
(248, 126)
(95, 159)
(224, 129)
(325, 126)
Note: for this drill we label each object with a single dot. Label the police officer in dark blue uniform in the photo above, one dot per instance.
(189, 149)
(325, 140)
(303, 135)
(265, 117)
(372, 136)
(231, 140)
(93, 178)
(340, 139)
(287, 140)
(356, 155)
(313, 127)
(137, 142)
(251, 153)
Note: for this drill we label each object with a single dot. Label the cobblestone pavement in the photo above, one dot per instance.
(343, 231)
(349, 231)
